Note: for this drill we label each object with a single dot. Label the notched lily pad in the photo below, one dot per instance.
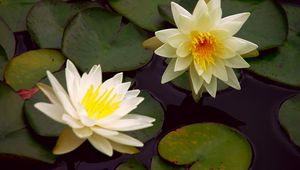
(7, 40)
(293, 14)
(15, 138)
(25, 70)
(132, 164)
(289, 117)
(95, 36)
(207, 146)
(47, 31)
(143, 13)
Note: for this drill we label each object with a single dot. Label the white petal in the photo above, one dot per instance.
(197, 81)
(104, 132)
(183, 49)
(177, 39)
(232, 79)
(84, 132)
(169, 73)
(166, 51)
(96, 76)
(122, 88)
(241, 46)
(185, 24)
(67, 142)
(163, 35)
(218, 70)
(120, 124)
(101, 144)
(124, 148)
(48, 91)
(200, 9)
(215, 11)
(139, 117)
(72, 79)
(211, 87)
(86, 121)
(198, 68)
(71, 67)
(236, 62)
(178, 11)
(126, 140)
(62, 95)
(53, 111)
(71, 121)
(232, 24)
(207, 75)
(226, 53)
(183, 63)
(132, 93)
(117, 79)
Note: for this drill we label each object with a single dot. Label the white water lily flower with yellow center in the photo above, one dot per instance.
(204, 44)
(94, 111)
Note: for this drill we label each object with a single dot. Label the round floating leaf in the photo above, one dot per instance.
(259, 28)
(95, 36)
(293, 14)
(14, 13)
(7, 40)
(207, 146)
(39, 122)
(281, 65)
(3, 61)
(14, 137)
(183, 82)
(47, 31)
(289, 117)
(25, 70)
(132, 164)
(159, 164)
(152, 108)
(143, 13)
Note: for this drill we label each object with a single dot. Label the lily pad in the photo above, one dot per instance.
(207, 146)
(152, 108)
(143, 13)
(14, 13)
(39, 122)
(293, 14)
(132, 164)
(289, 117)
(3, 61)
(95, 36)
(25, 70)
(159, 164)
(47, 31)
(15, 139)
(7, 40)
(259, 28)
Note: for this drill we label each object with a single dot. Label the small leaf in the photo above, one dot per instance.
(7, 40)
(143, 13)
(159, 164)
(152, 108)
(94, 36)
(132, 164)
(206, 146)
(47, 31)
(14, 13)
(25, 70)
(14, 137)
(289, 117)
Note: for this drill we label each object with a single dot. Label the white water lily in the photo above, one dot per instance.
(94, 111)
(204, 44)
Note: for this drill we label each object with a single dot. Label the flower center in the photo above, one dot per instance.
(101, 105)
(204, 45)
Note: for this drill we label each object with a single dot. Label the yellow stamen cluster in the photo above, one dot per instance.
(204, 45)
(101, 105)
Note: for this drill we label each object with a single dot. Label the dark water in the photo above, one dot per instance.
(253, 111)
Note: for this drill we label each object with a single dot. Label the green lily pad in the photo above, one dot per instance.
(293, 14)
(289, 117)
(207, 146)
(7, 40)
(259, 28)
(281, 65)
(47, 31)
(15, 138)
(143, 13)
(3, 62)
(152, 108)
(39, 122)
(94, 36)
(25, 70)
(14, 13)
(183, 82)
(159, 164)
(132, 164)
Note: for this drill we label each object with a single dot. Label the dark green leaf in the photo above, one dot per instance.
(159, 164)
(132, 164)
(7, 40)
